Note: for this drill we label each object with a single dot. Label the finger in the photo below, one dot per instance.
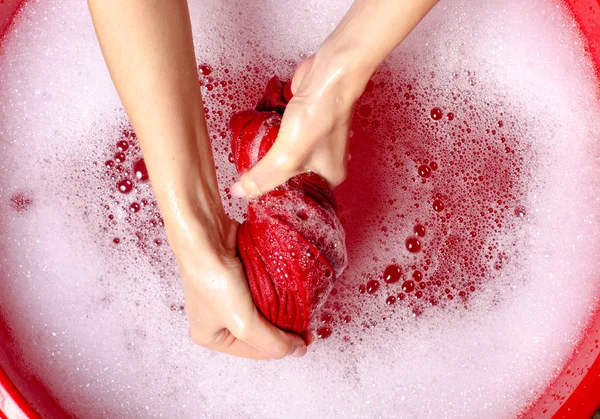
(270, 340)
(226, 343)
(275, 168)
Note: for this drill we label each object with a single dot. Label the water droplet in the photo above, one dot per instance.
(122, 145)
(520, 211)
(119, 157)
(324, 332)
(419, 230)
(125, 186)
(302, 214)
(413, 244)
(139, 168)
(438, 205)
(372, 286)
(205, 69)
(392, 274)
(436, 114)
(424, 171)
(408, 286)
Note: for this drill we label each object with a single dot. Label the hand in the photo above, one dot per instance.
(222, 316)
(314, 131)
(315, 126)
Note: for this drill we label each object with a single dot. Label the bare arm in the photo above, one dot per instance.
(148, 47)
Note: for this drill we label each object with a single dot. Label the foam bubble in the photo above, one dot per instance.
(509, 142)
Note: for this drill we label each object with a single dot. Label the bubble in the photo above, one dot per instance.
(119, 157)
(324, 332)
(408, 286)
(520, 211)
(140, 171)
(419, 230)
(392, 274)
(424, 171)
(125, 186)
(413, 245)
(205, 69)
(438, 205)
(372, 286)
(122, 145)
(122, 357)
(436, 114)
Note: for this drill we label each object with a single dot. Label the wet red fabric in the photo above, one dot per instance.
(292, 243)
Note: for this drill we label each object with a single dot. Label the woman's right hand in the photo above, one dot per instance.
(221, 313)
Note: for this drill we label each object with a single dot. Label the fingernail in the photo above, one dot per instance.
(237, 190)
(298, 352)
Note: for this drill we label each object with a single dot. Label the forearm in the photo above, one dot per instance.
(148, 47)
(367, 34)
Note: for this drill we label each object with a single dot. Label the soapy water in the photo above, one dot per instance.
(470, 208)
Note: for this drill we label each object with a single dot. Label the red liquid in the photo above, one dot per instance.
(445, 255)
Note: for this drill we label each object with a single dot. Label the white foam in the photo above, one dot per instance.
(100, 323)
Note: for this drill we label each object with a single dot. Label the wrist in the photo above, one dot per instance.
(345, 66)
(194, 216)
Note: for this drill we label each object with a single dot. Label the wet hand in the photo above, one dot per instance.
(314, 130)
(219, 306)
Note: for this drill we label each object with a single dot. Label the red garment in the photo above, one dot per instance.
(292, 244)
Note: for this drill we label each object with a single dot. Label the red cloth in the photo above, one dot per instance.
(292, 244)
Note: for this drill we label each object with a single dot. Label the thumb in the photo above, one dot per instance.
(275, 168)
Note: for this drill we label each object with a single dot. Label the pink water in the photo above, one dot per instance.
(471, 211)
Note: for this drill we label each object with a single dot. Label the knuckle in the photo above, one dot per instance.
(223, 338)
(243, 332)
